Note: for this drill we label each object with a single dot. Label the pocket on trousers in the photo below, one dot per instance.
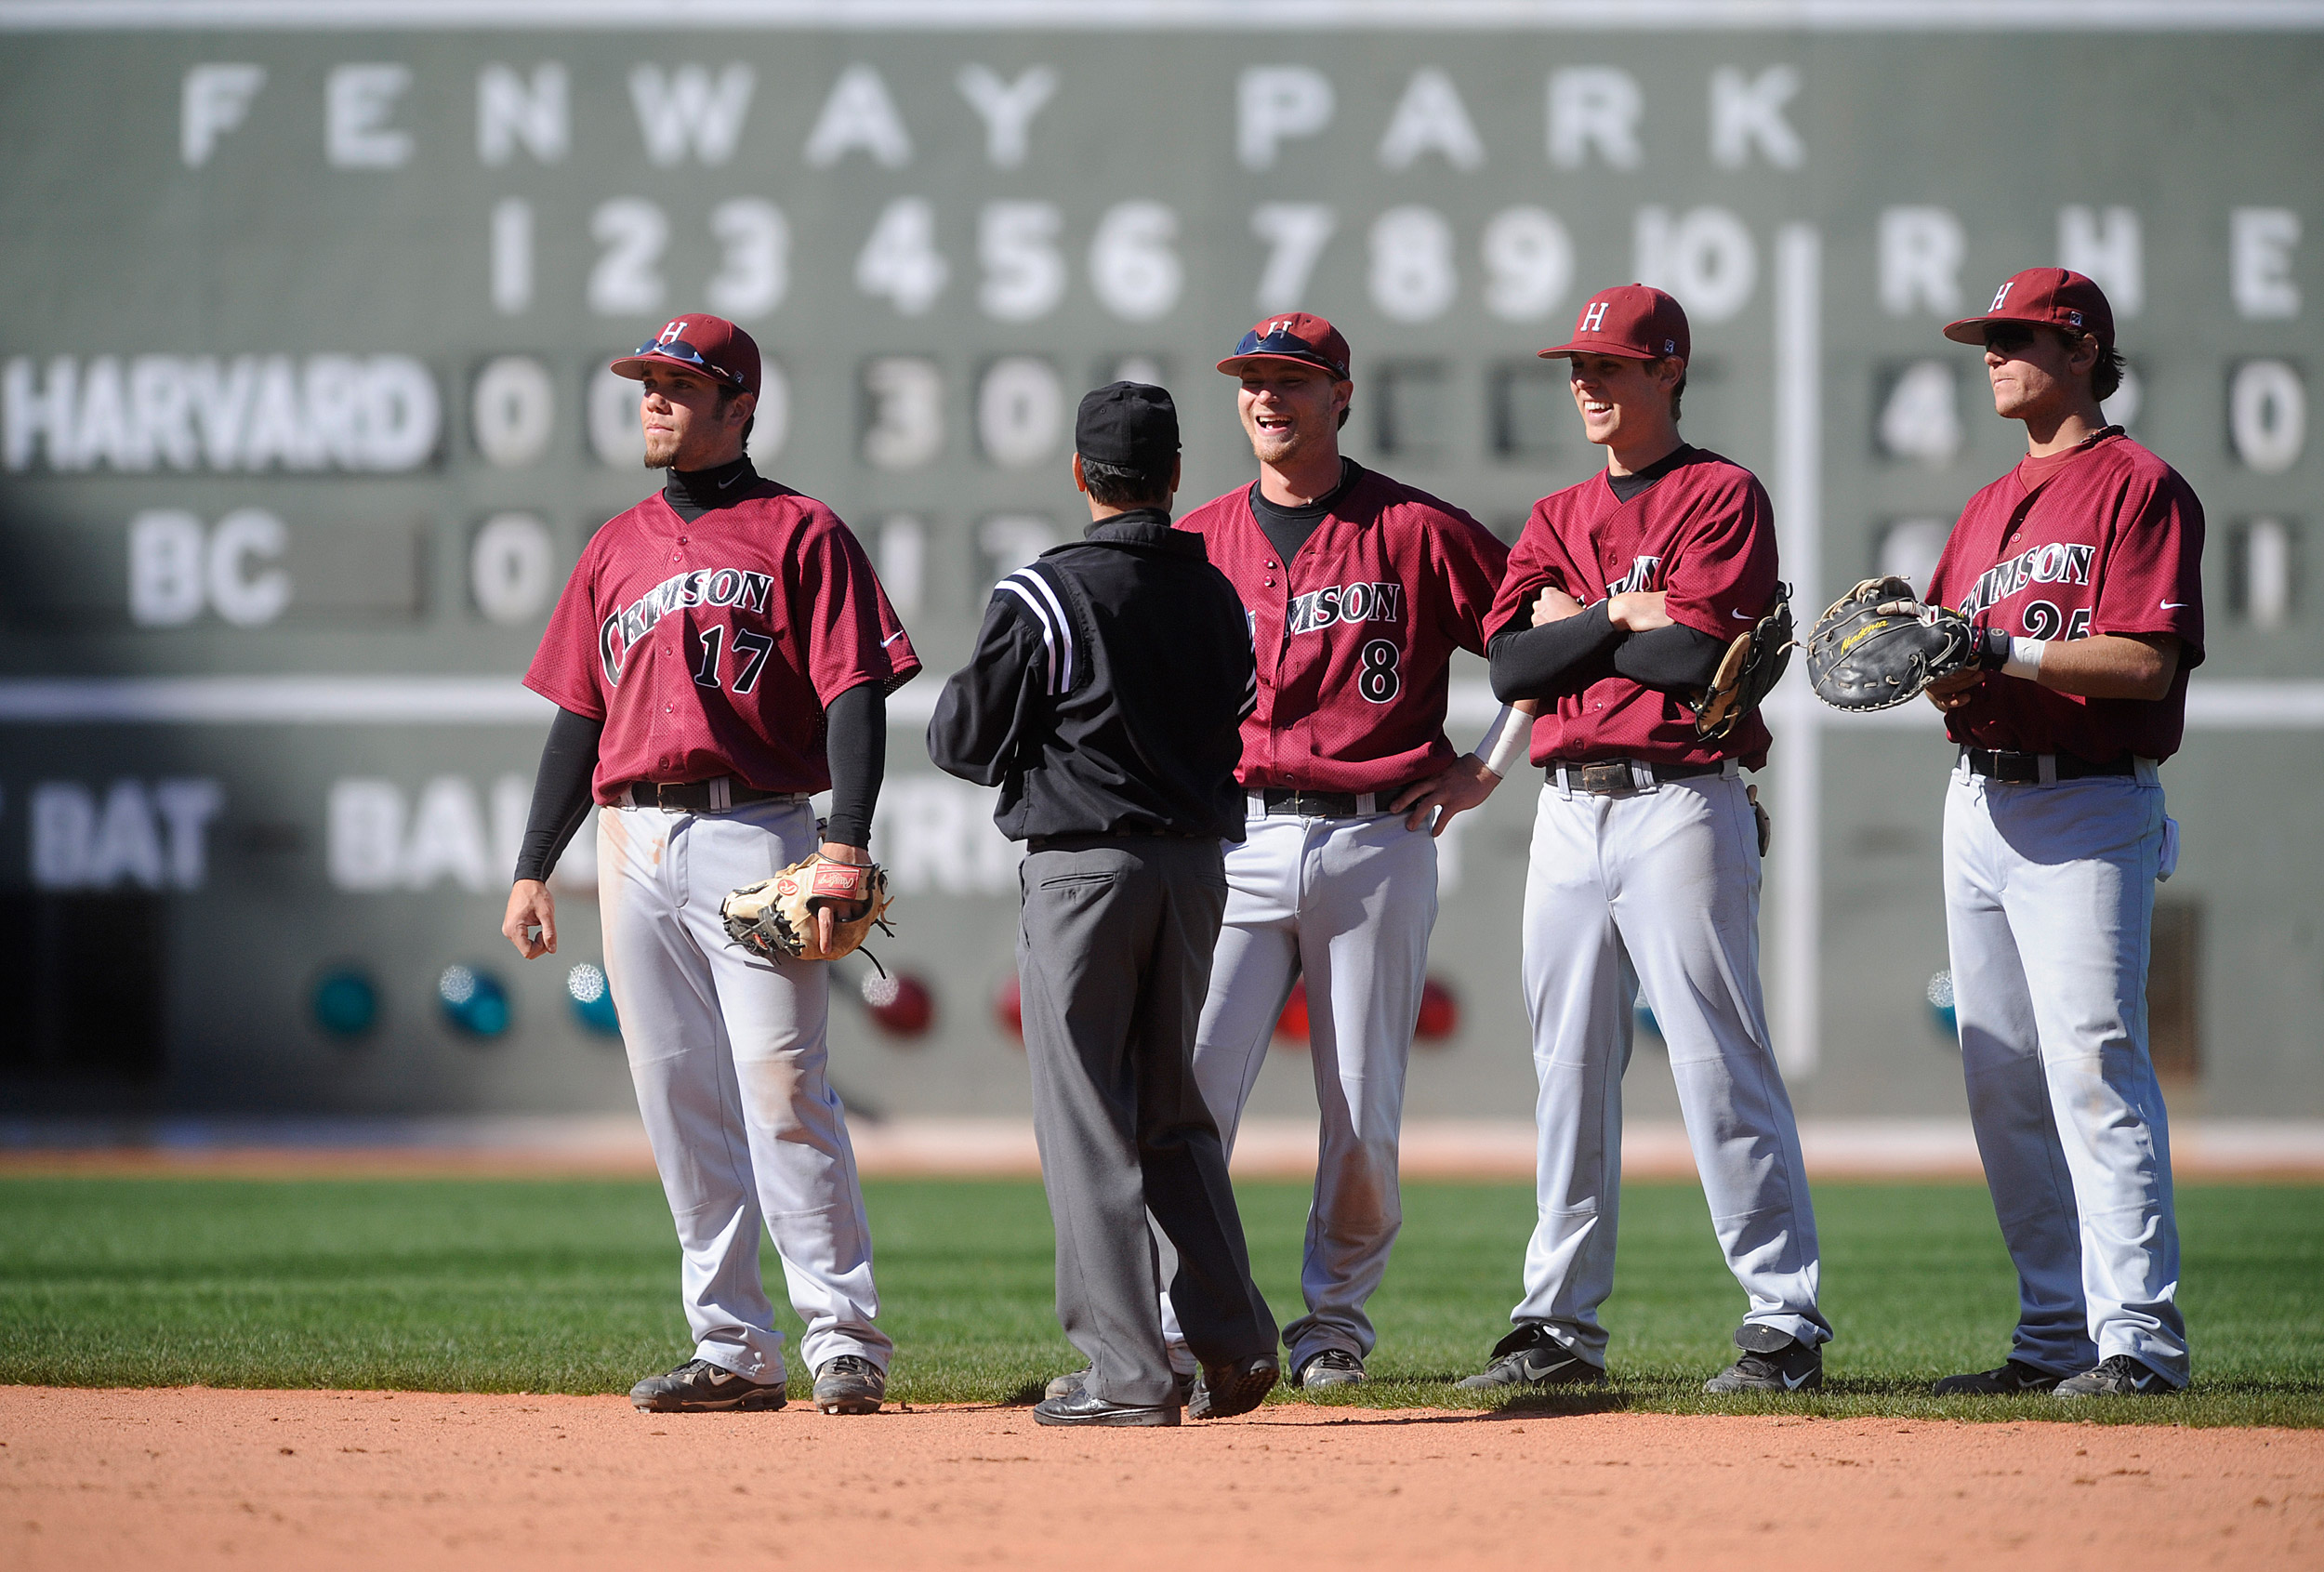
(1076, 880)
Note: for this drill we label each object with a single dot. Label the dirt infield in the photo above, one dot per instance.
(197, 1478)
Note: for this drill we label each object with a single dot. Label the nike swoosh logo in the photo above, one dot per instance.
(891, 638)
(1793, 1383)
(1532, 1371)
(728, 481)
(2176, 606)
(2143, 1382)
(1745, 615)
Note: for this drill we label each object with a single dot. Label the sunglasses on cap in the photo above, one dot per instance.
(1284, 342)
(679, 349)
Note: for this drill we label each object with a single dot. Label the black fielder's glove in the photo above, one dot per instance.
(1755, 663)
(1878, 646)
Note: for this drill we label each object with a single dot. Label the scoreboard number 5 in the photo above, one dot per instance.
(1380, 681)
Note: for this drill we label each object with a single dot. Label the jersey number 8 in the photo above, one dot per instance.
(1379, 681)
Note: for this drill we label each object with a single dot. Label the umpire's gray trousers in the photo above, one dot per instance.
(1114, 953)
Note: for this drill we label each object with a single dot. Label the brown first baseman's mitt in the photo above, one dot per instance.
(776, 918)
(1878, 646)
(1755, 663)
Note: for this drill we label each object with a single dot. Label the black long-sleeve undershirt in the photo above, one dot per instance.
(1567, 656)
(561, 792)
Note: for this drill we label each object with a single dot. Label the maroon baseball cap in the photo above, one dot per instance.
(1634, 321)
(1295, 336)
(2047, 297)
(710, 346)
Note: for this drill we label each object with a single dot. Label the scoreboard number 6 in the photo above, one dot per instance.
(1380, 681)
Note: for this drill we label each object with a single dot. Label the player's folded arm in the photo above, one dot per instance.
(1677, 660)
(1553, 659)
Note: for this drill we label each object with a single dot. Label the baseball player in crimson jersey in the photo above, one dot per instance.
(1359, 589)
(1621, 595)
(722, 651)
(2083, 567)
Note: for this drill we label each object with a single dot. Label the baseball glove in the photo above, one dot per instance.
(1878, 646)
(776, 918)
(1755, 663)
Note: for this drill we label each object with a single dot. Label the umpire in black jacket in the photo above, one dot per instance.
(1105, 699)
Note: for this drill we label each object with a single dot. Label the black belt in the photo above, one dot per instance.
(1298, 802)
(1618, 777)
(2024, 768)
(1084, 840)
(714, 796)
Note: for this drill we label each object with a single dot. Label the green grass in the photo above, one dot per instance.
(507, 1286)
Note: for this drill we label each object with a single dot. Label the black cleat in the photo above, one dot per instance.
(2011, 1379)
(1333, 1367)
(700, 1387)
(850, 1385)
(1079, 1407)
(1224, 1391)
(2120, 1376)
(1788, 1366)
(1530, 1357)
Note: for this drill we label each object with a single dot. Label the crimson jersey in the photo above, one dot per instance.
(1705, 535)
(1355, 638)
(709, 647)
(2109, 542)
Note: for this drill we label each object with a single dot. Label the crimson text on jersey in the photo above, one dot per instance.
(2109, 542)
(711, 646)
(1704, 535)
(1354, 635)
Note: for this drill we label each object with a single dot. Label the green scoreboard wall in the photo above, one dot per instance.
(305, 308)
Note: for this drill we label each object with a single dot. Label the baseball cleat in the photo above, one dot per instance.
(1530, 1357)
(700, 1387)
(1079, 1409)
(2012, 1378)
(850, 1385)
(1791, 1366)
(1224, 1391)
(1069, 1384)
(1333, 1367)
(2120, 1376)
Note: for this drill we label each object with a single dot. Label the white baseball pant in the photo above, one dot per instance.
(1346, 904)
(2049, 909)
(1656, 896)
(727, 1052)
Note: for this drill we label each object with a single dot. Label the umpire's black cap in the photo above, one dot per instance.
(1129, 424)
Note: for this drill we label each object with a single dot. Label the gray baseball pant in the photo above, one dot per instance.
(1347, 903)
(1656, 896)
(727, 1052)
(1114, 951)
(2049, 908)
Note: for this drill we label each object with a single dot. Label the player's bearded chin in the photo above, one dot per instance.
(661, 449)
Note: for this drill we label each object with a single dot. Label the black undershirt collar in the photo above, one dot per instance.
(1627, 486)
(691, 493)
(1286, 529)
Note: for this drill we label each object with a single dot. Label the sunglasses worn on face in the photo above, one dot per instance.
(2010, 340)
(679, 349)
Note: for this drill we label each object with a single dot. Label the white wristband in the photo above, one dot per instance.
(2024, 658)
(1507, 742)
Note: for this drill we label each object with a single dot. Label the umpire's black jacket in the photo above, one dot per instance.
(1108, 688)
